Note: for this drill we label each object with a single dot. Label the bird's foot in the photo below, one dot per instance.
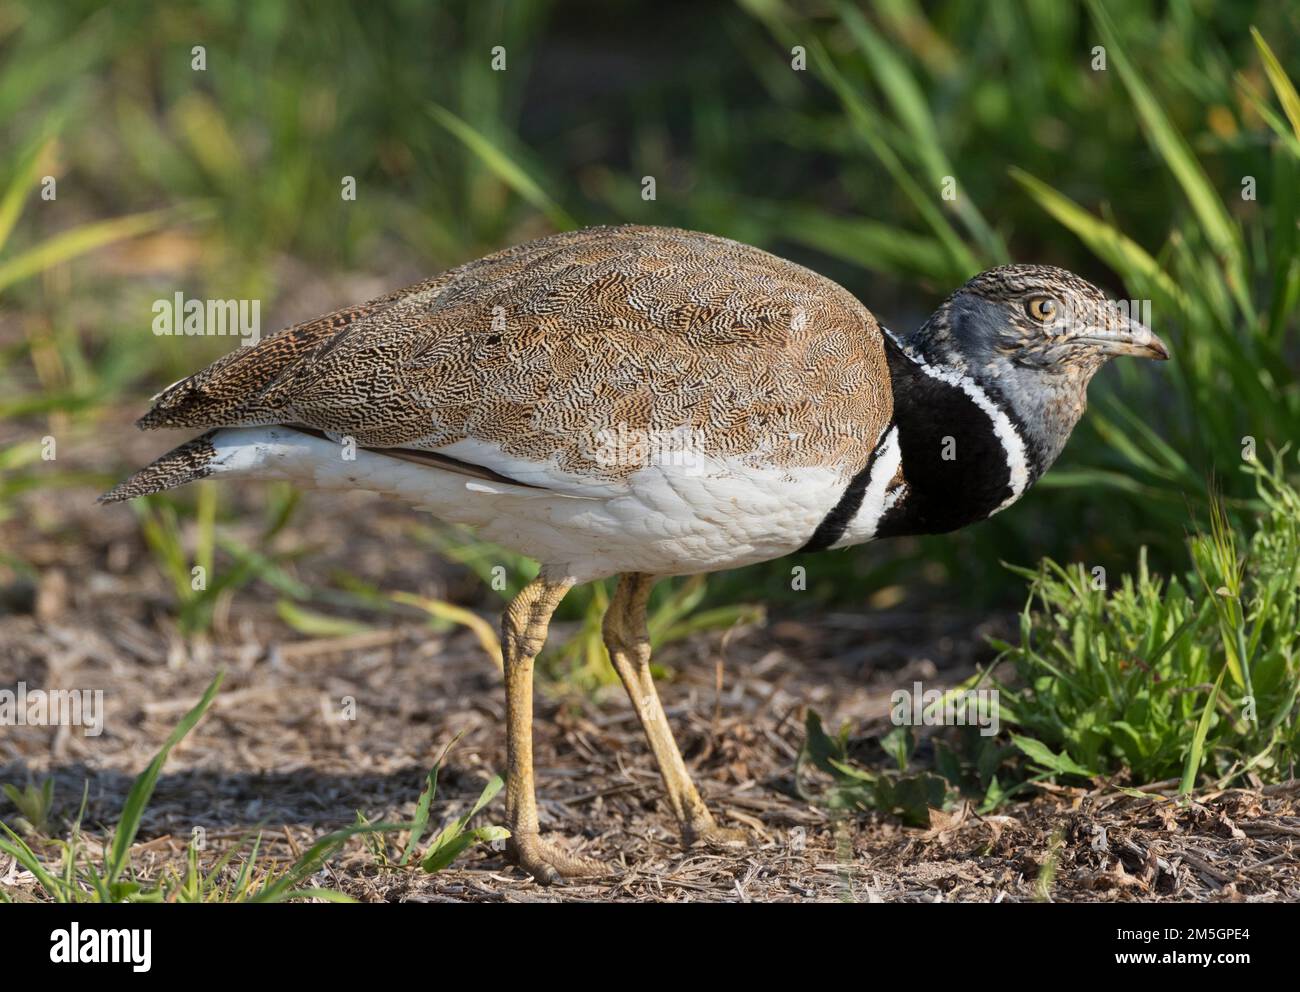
(550, 864)
(709, 834)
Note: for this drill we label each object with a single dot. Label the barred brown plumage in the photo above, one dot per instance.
(188, 463)
(537, 346)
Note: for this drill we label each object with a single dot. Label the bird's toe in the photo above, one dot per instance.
(551, 864)
(721, 837)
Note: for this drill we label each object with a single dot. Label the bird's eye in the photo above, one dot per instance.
(1041, 308)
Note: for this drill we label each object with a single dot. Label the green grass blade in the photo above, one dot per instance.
(142, 789)
(963, 262)
(421, 821)
(69, 244)
(245, 877)
(17, 849)
(1278, 124)
(316, 624)
(1197, 749)
(862, 242)
(1120, 252)
(1172, 147)
(443, 854)
(913, 111)
(502, 166)
(1282, 85)
(22, 184)
(455, 839)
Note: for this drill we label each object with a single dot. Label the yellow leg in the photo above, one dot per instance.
(523, 627)
(628, 641)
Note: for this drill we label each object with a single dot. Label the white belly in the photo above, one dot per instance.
(662, 520)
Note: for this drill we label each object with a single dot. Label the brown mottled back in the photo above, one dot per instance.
(540, 347)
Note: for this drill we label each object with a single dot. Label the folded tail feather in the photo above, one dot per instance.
(286, 451)
(191, 461)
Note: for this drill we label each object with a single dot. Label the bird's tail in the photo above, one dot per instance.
(193, 460)
(312, 460)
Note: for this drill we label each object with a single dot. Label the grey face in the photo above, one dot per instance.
(1035, 335)
(1034, 317)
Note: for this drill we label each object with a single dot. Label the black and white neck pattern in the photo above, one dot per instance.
(954, 453)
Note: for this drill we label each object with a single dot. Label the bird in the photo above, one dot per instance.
(645, 402)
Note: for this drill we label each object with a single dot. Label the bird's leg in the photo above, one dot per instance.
(523, 626)
(628, 641)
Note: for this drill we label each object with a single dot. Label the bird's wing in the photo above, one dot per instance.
(563, 361)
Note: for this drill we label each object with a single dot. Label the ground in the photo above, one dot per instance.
(274, 755)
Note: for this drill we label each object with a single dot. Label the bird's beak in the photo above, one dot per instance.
(1127, 337)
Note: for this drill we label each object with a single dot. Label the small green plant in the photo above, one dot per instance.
(35, 804)
(960, 764)
(1158, 680)
(448, 844)
(456, 838)
(906, 794)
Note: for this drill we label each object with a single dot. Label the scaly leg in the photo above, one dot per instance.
(628, 642)
(523, 626)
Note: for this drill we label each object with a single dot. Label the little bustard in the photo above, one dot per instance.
(648, 402)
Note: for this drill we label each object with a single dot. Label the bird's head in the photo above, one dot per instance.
(1033, 336)
(1035, 317)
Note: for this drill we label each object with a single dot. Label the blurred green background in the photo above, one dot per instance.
(226, 183)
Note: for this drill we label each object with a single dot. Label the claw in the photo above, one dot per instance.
(716, 836)
(550, 864)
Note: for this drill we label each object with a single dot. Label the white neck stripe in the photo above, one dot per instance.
(875, 500)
